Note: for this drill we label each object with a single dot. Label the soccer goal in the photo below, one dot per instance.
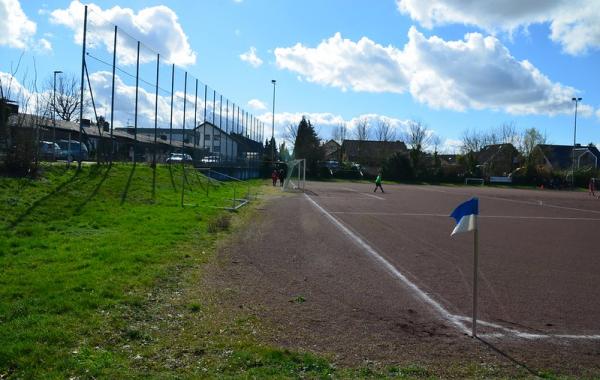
(474, 181)
(295, 176)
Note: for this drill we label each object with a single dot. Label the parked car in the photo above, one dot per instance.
(49, 150)
(72, 150)
(178, 158)
(210, 159)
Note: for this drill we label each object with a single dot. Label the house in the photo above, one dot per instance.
(371, 153)
(498, 159)
(332, 151)
(562, 157)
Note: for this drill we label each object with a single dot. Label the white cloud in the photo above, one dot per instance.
(43, 45)
(575, 24)
(16, 29)
(598, 113)
(251, 57)
(156, 27)
(450, 146)
(477, 72)
(342, 63)
(257, 105)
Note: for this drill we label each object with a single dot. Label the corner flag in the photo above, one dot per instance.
(466, 216)
(466, 220)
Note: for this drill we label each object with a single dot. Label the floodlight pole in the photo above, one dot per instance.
(273, 126)
(54, 117)
(576, 100)
(85, 14)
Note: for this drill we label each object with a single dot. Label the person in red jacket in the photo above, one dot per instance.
(274, 177)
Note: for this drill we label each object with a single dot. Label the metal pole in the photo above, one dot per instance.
(576, 100)
(475, 277)
(112, 98)
(226, 130)
(204, 123)
(81, 85)
(196, 118)
(183, 139)
(220, 125)
(54, 117)
(212, 134)
(135, 117)
(273, 125)
(172, 94)
(156, 107)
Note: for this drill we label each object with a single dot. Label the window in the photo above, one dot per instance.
(207, 137)
(217, 138)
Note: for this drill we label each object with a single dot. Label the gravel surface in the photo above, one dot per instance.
(319, 291)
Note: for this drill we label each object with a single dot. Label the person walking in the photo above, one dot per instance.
(274, 176)
(378, 183)
(281, 176)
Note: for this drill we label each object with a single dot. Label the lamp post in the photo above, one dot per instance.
(273, 126)
(54, 116)
(576, 100)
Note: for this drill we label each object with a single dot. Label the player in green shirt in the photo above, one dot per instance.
(378, 183)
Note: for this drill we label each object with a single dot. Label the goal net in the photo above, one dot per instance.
(295, 176)
(474, 181)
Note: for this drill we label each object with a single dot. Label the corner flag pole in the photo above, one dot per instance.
(465, 215)
(475, 278)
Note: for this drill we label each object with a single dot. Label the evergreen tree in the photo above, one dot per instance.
(307, 145)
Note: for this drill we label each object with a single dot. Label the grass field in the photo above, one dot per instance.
(99, 279)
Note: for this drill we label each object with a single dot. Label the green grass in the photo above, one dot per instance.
(102, 278)
(76, 246)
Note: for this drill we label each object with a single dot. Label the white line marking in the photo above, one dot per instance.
(375, 196)
(446, 216)
(454, 319)
(386, 264)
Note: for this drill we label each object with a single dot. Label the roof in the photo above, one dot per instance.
(493, 151)
(561, 156)
(368, 147)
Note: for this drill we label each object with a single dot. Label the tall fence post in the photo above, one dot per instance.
(85, 12)
(112, 98)
(183, 139)
(135, 116)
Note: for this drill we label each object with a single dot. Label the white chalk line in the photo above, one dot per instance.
(540, 203)
(447, 216)
(374, 196)
(368, 195)
(456, 320)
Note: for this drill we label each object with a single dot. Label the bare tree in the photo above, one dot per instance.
(435, 141)
(384, 131)
(473, 141)
(68, 96)
(509, 134)
(291, 132)
(362, 130)
(417, 136)
(339, 133)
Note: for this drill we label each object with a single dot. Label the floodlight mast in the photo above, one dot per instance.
(273, 126)
(576, 100)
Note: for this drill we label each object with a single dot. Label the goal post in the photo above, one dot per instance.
(295, 176)
(474, 181)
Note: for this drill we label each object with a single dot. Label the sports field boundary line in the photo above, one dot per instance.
(480, 216)
(391, 269)
(456, 320)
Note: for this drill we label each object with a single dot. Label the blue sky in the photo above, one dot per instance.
(451, 64)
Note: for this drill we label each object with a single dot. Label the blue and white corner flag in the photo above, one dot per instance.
(466, 216)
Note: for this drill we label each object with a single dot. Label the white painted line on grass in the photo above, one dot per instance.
(456, 320)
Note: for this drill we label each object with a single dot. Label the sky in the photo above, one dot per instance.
(453, 65)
